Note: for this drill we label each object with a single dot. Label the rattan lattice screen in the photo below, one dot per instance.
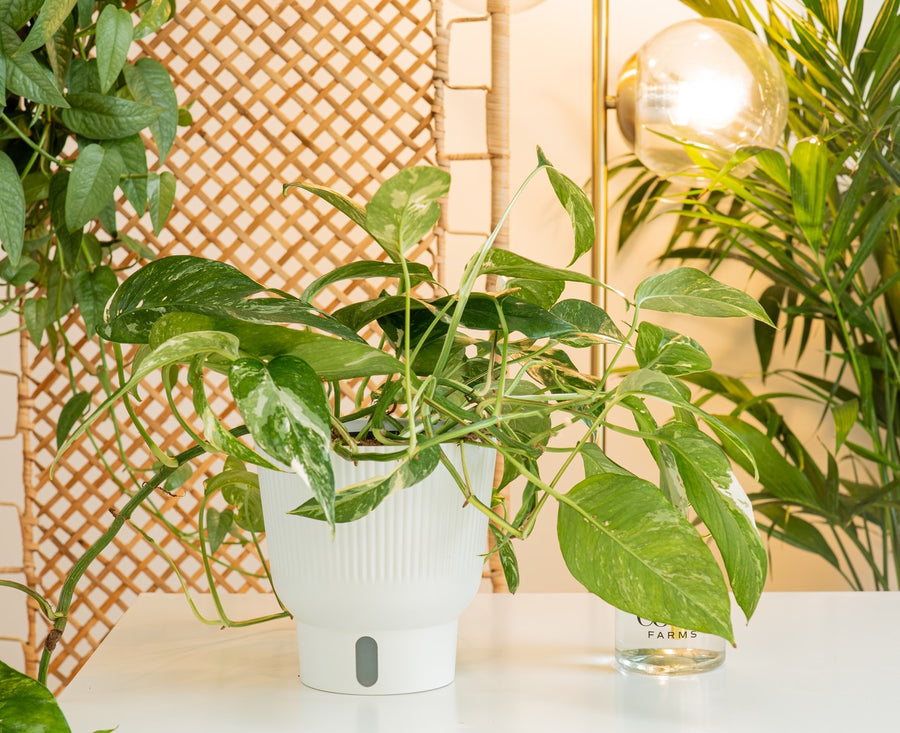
(336, 91)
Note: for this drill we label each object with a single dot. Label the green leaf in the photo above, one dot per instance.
(25, 75)
(508, 560)
(36, 313)
(51, 17)
(153, 17)
(141, 249)
(809, 170)
(624, 542)
(214, 432)
(21, 275)
(101, 117)
(178, 477)
(342, 203)
(83, 76)
(12, 204)
(357, 500)
(592, 322)
(339, 359)
(365, 269)
(845, 415)
(240, 488)
(134, 157)
(284, 407)
(60, 49)
(16, 13)
(509, 264)
(543, 293)
(790, 528)
(113, 42)
(71, 412)
(26, 706)
(93, 289)
(181, 283)
(217, 527)
(150, 84)
(92, 183)
(649, 383)
(161, 193)
(690, 291)
(669, 352)
(596, 461)
(577, 205)
(725, 509)
(406, 208)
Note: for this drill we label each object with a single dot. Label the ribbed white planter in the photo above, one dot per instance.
(377, 605)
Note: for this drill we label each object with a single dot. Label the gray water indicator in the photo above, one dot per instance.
(366, 661)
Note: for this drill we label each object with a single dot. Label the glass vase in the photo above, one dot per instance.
(655, 648)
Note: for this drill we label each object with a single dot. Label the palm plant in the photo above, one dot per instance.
(818, 221)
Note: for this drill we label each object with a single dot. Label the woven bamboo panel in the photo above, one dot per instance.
(335, 91)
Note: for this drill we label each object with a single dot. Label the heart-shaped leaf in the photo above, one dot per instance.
(284, 407)
(624, 542)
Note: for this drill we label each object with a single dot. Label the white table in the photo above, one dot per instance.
(530, 663)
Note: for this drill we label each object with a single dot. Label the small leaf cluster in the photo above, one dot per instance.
(75, 103)
(449, 365)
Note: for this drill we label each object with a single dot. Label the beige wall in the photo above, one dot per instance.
(551, 107)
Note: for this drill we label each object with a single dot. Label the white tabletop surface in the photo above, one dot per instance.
(807, 662)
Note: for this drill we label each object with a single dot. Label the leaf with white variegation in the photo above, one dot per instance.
(180, 283)
(669, 352)
(406, 208)
(577, 205)
(26, 706)
(720, 501)
(356, 501)
(626, 543)
(284, 407)
(688, 290)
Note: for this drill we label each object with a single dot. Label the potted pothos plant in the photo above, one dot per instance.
(422, 369)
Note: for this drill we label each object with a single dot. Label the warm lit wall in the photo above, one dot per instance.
(551, 106)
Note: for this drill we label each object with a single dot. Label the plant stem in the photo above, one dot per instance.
(91, 554)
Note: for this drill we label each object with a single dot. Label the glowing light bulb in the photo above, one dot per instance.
(707, 83)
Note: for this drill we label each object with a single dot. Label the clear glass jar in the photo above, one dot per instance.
(660, 649)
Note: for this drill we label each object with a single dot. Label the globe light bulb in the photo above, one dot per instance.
(478, 6)
(705, 83)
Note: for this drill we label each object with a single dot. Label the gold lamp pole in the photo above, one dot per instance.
(599, 168)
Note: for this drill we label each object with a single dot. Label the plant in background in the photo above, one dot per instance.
(820, 222)
(74, 108)
(74, 103)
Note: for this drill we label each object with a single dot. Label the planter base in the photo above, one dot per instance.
(374, 662)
